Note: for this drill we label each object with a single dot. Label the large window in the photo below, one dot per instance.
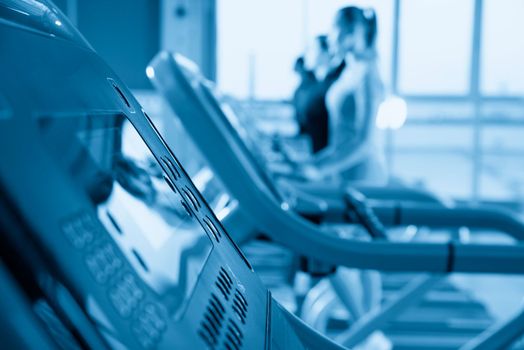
(458, 63)
(259, 40)
(503, 47)
(435, 46)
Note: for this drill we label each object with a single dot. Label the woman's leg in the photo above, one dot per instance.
(347, 285)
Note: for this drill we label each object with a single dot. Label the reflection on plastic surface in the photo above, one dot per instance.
(110, 161)
(41, 16)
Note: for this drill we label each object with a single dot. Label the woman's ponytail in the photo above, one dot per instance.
(370, 20)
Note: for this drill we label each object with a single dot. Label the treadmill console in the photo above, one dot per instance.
(126, 252)
(133, 199)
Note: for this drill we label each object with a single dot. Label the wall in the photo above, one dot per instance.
(189, 28)
(125, 33)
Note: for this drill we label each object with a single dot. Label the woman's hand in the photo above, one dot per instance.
(311, 173)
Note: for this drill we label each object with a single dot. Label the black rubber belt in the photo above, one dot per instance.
(397, 215)
(451, 257)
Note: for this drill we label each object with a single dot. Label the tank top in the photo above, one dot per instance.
(312, 106)
(353, 102)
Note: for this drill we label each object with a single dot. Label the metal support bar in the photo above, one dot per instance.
(500, 336)
(377, 318)
(396, 43)
(475, 93)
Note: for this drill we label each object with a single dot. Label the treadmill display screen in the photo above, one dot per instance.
(109, 160)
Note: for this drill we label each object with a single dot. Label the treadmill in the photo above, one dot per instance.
(272, 211)
(193, 102)
(110, 242)
(322, 202)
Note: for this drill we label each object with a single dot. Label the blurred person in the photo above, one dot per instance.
(352, 102)
(310, 105)
(317, 58)
(306, 79)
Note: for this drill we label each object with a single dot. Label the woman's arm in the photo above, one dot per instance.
(338, 160)
(341, 109)
(346, 154)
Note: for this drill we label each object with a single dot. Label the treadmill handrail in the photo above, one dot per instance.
(436, 216)
(403, 194)
(415, 207)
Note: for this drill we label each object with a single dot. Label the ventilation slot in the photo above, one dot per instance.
(211, 324)
(170, 184)
(224, 283)
(240, 306)
(184, 205)
(171, 169)
(234, 336)
(192, 198)
(121, 95)
(212, 228)
(216, 304)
